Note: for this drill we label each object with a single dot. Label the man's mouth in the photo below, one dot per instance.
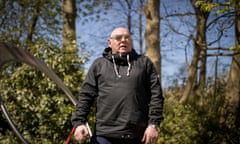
(123, 46)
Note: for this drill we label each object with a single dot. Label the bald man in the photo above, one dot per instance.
(128, 94)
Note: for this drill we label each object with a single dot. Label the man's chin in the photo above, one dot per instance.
(123, 51)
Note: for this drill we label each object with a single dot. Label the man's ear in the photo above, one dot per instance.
(109, 43)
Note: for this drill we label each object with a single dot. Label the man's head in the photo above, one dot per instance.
(120, 40)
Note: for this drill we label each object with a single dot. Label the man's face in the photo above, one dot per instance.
(120, 41)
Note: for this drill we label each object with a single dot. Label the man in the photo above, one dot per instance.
(128, 94)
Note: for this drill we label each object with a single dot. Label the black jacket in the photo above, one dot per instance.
(128, 95)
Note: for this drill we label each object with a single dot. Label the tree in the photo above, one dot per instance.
(39, 109)
(140, 27)
(199, 55)
(69, 30)
(152, 33)
(34, 21)
(130, 8)
(232, 98)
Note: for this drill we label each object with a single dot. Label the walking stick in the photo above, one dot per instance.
(10, 53)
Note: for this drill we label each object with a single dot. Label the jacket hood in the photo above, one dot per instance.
(120, 59)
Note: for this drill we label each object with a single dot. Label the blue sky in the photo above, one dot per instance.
(173, 46)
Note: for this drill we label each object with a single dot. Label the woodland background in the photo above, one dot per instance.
(201, 99)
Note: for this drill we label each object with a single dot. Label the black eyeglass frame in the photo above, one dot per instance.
(119, 37)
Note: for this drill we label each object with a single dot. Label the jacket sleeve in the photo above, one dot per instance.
(155, 93)
(87, 95)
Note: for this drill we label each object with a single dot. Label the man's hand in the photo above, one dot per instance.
(81, 133)
(150, 135)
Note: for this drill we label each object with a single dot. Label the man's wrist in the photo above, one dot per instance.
(153, 126)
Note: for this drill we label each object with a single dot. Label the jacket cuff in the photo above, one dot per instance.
(75, 125)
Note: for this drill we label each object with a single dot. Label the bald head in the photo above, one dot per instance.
(120, 40)
(120, 30)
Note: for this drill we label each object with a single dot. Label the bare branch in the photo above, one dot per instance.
(223, 54)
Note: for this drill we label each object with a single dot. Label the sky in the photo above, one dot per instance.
(176, 49)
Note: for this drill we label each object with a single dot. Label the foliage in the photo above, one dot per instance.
(181, 124)
(17, 18)
(39, 108)
(221, 7)
(195, 122)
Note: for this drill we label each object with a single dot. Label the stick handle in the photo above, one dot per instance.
(89, 130)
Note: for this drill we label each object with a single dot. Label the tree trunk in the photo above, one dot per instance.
(232, 98)
(140, 27)
(69, 30)
(33, 23)
(152, 33)
(129, 14)
(199, 56)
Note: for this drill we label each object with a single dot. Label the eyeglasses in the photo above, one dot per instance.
(119, 37)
